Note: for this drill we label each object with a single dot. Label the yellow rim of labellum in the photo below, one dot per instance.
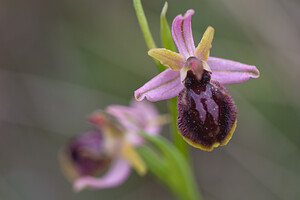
(215, 144)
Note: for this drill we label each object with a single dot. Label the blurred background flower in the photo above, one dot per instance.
(62, 59)
(110, 148)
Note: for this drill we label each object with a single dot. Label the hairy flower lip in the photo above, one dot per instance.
(215, 144)
(206, 113)
(85, 155)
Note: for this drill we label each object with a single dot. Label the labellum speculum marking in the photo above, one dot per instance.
(206, 112)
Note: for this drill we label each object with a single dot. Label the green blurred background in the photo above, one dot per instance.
(61, 60)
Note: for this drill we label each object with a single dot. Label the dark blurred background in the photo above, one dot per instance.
(60, 60)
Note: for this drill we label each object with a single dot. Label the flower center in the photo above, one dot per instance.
(195, 72)
(196, 66)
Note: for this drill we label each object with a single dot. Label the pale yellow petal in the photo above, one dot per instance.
(168, 58)
(202, 50)
(130, 154)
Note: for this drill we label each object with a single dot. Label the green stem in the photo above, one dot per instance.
(144, 24)
(146, 31)
(168, 43)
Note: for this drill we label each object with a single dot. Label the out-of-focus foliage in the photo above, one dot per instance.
(60, 60)
(170, 167)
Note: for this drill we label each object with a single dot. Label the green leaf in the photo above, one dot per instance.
(172, 168)
(165, 33)
(154, 162)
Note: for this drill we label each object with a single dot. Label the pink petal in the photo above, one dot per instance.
(165, 85)
(131, 120)
(118, 173)
(182, 34)
(227, 71)
(139, 116)
(149, 114)
(128, 116)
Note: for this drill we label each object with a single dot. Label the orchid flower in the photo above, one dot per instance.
(110, 147)
(206, 111)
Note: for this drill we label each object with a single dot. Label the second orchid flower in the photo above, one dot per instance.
(110, 147)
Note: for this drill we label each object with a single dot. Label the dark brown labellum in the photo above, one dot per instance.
(85, 155)
(206, 112)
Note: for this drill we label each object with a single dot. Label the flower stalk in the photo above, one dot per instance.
(167, 41)
(146, 30)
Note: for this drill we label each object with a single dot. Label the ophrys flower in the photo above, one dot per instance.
(207, 114)
(110, 148)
